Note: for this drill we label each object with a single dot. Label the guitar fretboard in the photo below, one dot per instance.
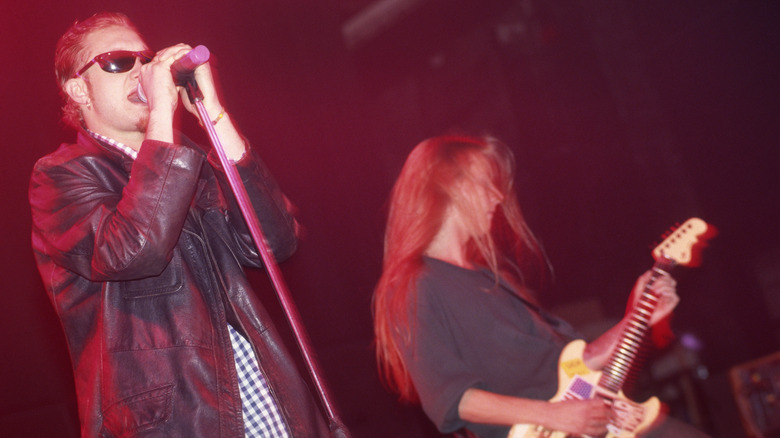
(618, 367)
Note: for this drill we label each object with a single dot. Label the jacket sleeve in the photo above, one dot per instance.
(89, 221)
(277, 223)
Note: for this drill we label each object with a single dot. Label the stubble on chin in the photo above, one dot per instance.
(143, 123)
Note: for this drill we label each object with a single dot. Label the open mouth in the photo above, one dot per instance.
(133, 97)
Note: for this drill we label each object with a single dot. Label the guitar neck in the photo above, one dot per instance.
(627, 351)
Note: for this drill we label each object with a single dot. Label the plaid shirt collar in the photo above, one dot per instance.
(125, 149)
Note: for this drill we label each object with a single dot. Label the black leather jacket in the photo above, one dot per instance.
(143, 263)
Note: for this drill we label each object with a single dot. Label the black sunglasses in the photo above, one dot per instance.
(120, 61)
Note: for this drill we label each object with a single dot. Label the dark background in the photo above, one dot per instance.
(626, 117)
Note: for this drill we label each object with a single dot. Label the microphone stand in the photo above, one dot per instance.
(337, 428)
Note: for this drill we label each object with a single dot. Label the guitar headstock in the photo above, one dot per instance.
(683, 244)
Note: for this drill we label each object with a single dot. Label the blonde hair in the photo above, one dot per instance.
(429, 183)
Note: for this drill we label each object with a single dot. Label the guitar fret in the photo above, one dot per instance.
(619, 369)
(638, 320)
(620, 372)
(657, 269)
(635, 330)
(626, 353)
(644, 312)
(634, 338)
(626, 346)
(626, 349)
(617, 377)
(623, 365)
(611, 384)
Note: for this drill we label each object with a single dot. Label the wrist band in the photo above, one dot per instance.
(219, 117)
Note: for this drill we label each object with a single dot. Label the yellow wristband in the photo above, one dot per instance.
(219, 117)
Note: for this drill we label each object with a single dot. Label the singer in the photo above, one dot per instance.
(141, 248)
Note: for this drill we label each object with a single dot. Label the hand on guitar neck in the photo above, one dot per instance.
(658, 286)
(663, 286)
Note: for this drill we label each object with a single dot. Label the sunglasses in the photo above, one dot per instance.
(120, 61)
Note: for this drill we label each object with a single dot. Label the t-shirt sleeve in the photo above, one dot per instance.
(440, 376)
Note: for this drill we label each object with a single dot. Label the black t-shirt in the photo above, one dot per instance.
(470, 331)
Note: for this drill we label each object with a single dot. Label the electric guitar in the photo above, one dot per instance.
(577, 382)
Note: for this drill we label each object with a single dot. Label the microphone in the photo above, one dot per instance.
(184, 68)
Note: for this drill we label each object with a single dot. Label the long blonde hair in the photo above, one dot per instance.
(424, 190)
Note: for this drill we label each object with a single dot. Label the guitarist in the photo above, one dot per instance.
(455, 327)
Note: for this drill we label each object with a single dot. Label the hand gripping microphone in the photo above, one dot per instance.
(184, 68)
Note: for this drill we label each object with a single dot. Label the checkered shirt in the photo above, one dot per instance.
(261, 415)
(130, 152)
(262, 418)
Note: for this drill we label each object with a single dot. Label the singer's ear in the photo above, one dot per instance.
(76, 88)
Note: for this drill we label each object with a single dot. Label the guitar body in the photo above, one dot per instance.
(577, 382)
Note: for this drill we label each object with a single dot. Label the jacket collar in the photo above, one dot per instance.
(85, 139)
